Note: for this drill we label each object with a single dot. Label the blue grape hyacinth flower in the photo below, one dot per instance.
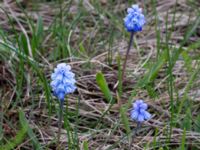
(63, 81)
(134, 20)
(138, 112)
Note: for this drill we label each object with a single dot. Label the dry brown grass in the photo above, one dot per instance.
(92, 104)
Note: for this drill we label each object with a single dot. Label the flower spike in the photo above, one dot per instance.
(138, 112)
(63, 81)
(135, 20)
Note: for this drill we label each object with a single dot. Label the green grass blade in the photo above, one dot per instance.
(197, 124)
(16, 140)
(23, 44)
(19, 138)
(119, 87)
(31, 134)
(187, 122)
(101, 81)
(39, 28)
(183, 141)
(125, 120)
(153, 71)
(85, 145)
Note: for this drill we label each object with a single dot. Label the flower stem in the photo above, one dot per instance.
(138, 126)
(60, 118)
(134, 133)
(127, 52)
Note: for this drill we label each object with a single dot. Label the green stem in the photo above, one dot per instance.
(134, 133)
(61, 102)
(127, 52)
